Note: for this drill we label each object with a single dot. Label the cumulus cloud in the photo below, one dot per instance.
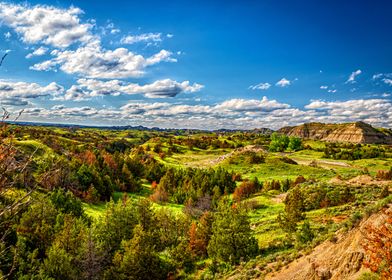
(375, 111)
(11, 89)
(324, 87)
(147, 37)
(38, 52)
(88, 88)
(13, 101)
(45, 24)
(251, 105)
(232, 113)
(76, 46)
(19, 93)
(93, 61)
(261, 86)
(283, 83)
(353, 76)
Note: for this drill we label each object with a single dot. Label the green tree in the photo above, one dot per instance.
(58, 265)
(232, 238)
(137, 259)
(67, 203)
(295, 144)
(279, 142)
(305, 234)
(116, 225)
(294, 208)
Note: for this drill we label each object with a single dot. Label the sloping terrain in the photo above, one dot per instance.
(340, 260)
(358, 132)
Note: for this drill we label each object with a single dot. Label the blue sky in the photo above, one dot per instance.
(199, 64)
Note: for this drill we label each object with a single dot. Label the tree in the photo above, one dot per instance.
(67, 203)
(137, 259)
(116, 225)
(294, 208)
(91, 259)
(279, 142)
(232, 238)
(305, 234)
(58, 265)
(295, 144)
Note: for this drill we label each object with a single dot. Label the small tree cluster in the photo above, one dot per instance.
(281, 143)
(246, 189)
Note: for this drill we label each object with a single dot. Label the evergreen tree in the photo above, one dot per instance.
(137, 259)
(232, 238)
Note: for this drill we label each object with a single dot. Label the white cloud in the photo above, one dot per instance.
(169, 35)
(45, 24)
(232, 113)
(332, 90)
(384, 77)
(11, 89)
(14, 93)
(283, 83)
(13, 101)
(387, 81)
(38, 52)
(147, 37)
(353, 76)
(376, 111)
(324, 87)
(7, 35)
(263, 105)
(261, 86)
(93, 61)
(88, 88)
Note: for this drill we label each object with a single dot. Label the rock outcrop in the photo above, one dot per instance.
(358, 132)
(333, 261)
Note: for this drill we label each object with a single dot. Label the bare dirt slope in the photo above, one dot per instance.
(340, 260)
(358, 132)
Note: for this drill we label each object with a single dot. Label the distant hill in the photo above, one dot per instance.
(358, 132)
(265, 131)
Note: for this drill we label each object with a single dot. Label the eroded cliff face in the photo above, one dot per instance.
(343, 259)
(358, 132)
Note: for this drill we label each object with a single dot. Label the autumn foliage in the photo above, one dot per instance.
(384, 175)
(246, 189)
(378, 247)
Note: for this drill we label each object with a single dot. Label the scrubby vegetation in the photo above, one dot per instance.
(102, 204)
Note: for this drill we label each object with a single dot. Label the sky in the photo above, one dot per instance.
(197, 64)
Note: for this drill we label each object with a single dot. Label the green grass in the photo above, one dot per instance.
(96, 210)
(264, 219)
(275, 168)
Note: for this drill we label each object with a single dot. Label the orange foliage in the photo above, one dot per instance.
(299, 180)
(88, 157)
(244, 190)
(159, 196)
(197, 244)
(378, 247)
(384, 175)
(109, 161)
(154, 185)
